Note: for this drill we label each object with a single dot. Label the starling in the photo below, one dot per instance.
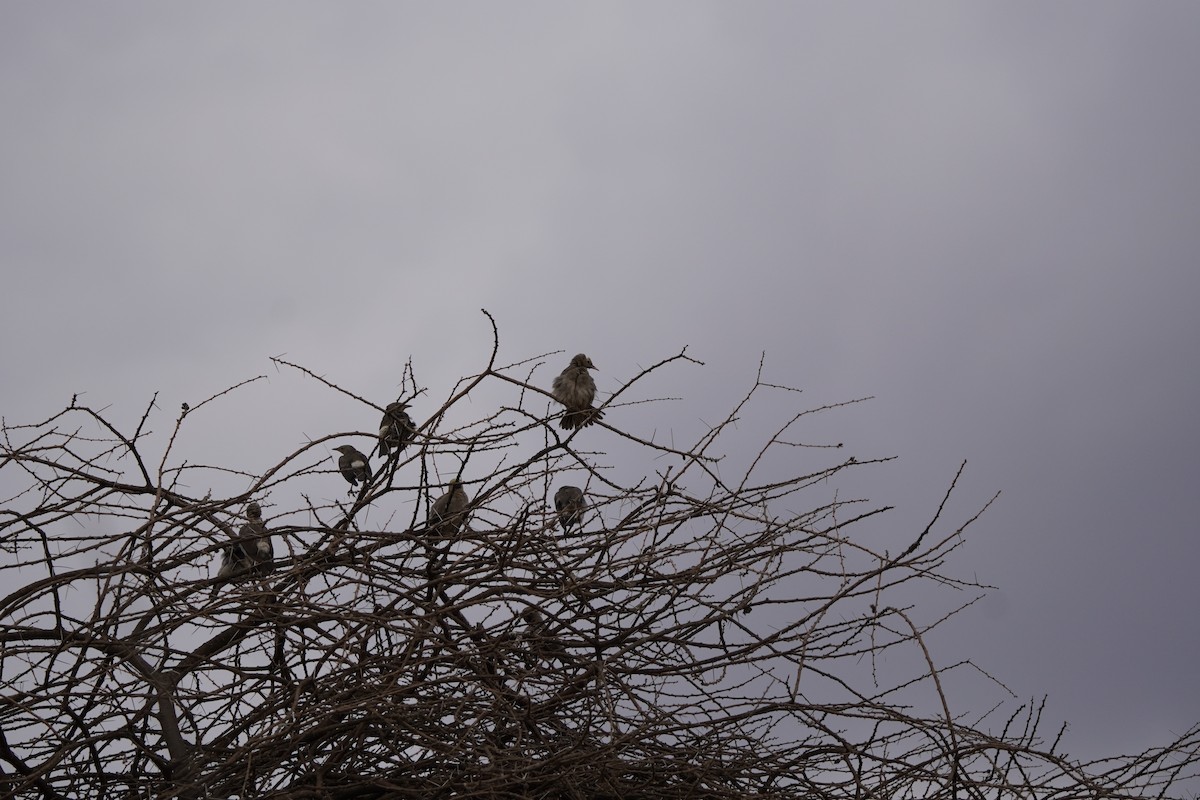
(396, 430)
(576, 390)
(354, 465)
(254, 530)
(539, 636)
(570, 504)
(251, 550)
(446, 515)
(234, 560)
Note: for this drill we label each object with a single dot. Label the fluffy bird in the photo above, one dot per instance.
(396, 431)
(576, 390)
(251, 550)
(354, 465)
(570, 504)
(446, 515)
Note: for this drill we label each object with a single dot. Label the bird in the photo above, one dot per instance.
(396, 430)
(262, 551)
(539, 636)
(570, 504)
(535, 623)
(354, 465)
(234, 560)
(576, 390)
(446, 515)
(251, 550)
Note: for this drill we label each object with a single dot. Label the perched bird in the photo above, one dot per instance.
(251, 550)
(576, 390)
(570, 504)
(533, 619)
(354, 465)
(446, 515)
(256, 531)
(234, 561)
(541, 640)
(396, 430)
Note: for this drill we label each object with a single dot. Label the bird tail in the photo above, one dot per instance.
(580, 419)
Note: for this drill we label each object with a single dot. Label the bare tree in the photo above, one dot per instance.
(695, 636)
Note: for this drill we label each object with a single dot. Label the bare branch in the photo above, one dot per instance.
(683, 630)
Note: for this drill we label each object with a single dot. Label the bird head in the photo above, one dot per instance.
(582, 361)
(254, 511)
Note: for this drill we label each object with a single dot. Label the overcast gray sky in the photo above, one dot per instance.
(987, 216)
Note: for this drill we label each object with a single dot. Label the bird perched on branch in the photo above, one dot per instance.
(396, 431)
(447, 514)
(576, 390)
(251, 550)
(354, 465)
(539, 636)
(570, 504)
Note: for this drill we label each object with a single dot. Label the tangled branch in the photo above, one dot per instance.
(665, 632)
